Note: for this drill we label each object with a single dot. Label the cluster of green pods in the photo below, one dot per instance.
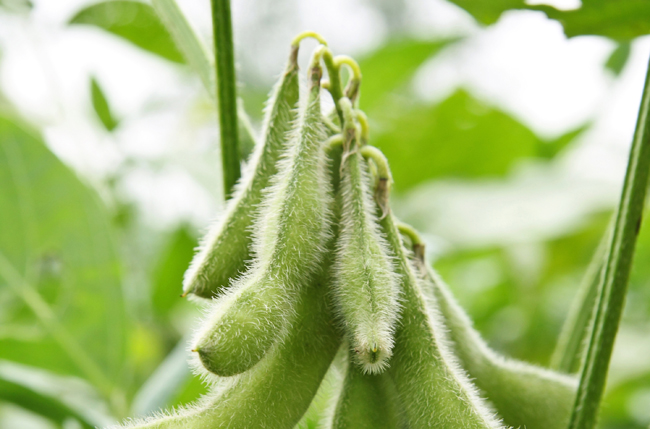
(308, 261)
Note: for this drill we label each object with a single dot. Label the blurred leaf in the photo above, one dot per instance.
(619, 20)
(638, 307)
(630, 397)
(619, 57)
(391, 66)
(488, 12)
(60, 272)
(572, 253)
(246, 132)
(165, 383)
(17, 6)
(100, 104)
(193, 50)
(202, 61)
(167, 282)
(460, 137)
(50, 407)
(134, 21)
(551, 148)
(192, 390)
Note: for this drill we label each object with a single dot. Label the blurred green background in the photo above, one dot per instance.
(507, 126)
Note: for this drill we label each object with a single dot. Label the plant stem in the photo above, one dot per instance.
(614, 280)
(226, 93)
(570, 343)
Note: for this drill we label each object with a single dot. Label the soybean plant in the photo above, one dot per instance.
(309, 259)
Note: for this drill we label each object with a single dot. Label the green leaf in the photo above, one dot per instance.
(619, 57)
(194, 51)
(620, 20)
(15, 391)
(134, 21)
(460, 137)
(17, 6)
(488, 12)
(165, 383)
(59, 271)
(393, 65)
(100, 104)
(202, 61)
(614, 280)
(549, 149)
(168, 274)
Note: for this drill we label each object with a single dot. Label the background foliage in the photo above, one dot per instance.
(104, 193)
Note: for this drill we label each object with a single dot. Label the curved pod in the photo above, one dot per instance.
(227, 247)
(522, 394)
(365, 287)
(290, 237)
(433, 389)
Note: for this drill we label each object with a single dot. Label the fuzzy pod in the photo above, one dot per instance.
(434, 391)
(367, 401)
(290, 237)
(227, 248)
(276, 393)
(365, 287)
(321, 410)
(523, 395)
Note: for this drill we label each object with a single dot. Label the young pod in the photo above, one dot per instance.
(433, 389)
(366, 401)
(290, 236)
(522, 394)
(365, 287)
(226, 249)
(276, 393)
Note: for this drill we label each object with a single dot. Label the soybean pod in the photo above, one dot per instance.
(367, 401)
(227, 248)
(432, 388)
(523, 395)
(277, 392)
(365, 287)
(290, 235)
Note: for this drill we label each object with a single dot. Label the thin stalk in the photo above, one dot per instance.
(226, 93)
(572, 339)
(615, 277)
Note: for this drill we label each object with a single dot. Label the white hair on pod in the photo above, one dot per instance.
(226, 248)
(290, 236)
(522, 394)
(366, 286)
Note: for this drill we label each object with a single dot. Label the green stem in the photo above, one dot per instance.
(383, 179)
(575, 329)
(614, 280)
(334, 84)
(226, 93)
